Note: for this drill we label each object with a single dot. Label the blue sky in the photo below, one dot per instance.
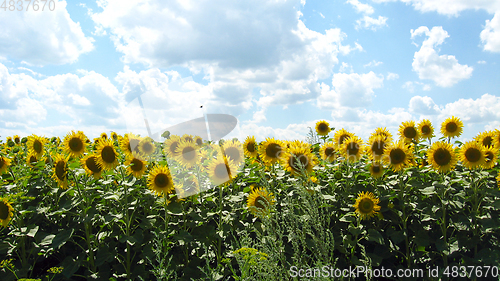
(278, 66)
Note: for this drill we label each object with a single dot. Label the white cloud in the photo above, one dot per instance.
(490, 36)
(411, 85)
(481, 62)
(361, 7)
(350, 90)
(373, 63)
(444, 70)
(371, 23)
(423, 105)
(392, 76)
(41, 38)
(449, 7)
(481, 110)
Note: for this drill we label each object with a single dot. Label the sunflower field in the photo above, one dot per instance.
(126, 207)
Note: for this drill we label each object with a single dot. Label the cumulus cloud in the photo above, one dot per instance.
(350, 90)
(490, 36)
(444, 70)
(371, 23)
(481, 110)
(423, 105)
(361, 7)
(41, 38)
(392, 76)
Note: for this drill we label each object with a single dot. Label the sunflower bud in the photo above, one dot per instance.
(338, 175)
(11, 143)
(24, 140)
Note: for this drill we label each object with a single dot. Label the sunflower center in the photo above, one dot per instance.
(61, 170)
(451, 127)
(161, 180)
(147, 147)
(296, 159)
(352, 148)
(17, 140)
(260, 202)
(375, 169)
(37, 146)
(442, 157)
(398, 156)
(136, 165)
(487, 141)
(323, 127)
(251, 147)
(426, 130)
(188, 153)
(199, 141)
(92, 165)
(108, 154)
(4, 211)
(366, 206)
(410, 132)
(233, 153)
(273, 150)
(75, 144)
(188, 139)
(473, 155)
(329, 151)
(221, 171)
(378, 148)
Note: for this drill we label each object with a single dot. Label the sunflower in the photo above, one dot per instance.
(250, 147)
(107, 157)
(36, 145)
(340, 136)
(491, 157)
(4, 164)
(376, 146)
(74, 144)
(61, 170)
(442, 157)
(198, 140)
(171, 145)
(187, 153)
(425, 129)
(352, 148)
(270, 151)
(114, 135)
(327, 151)
(408, 131)
(190, 186)
(6, 212)
(382, 131)
(221, 170)
(498, 180)
(187, 137)
(298, 158)
(17, 139)
(322, 128)
(452, 127)
(147, 146)
(89, 163)
(376, 169)
(496, 139)
(129, 143)
(398, 155)
(104, 136)
(366, 205)
(31, 160)
(135, 165)
(234, 150)
(486, 139)
(260, 202)
(472, 155)
(160, 181)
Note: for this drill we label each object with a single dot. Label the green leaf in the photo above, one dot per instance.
(348, 218)
(428, 190)
(375, 236)
(61, 238)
